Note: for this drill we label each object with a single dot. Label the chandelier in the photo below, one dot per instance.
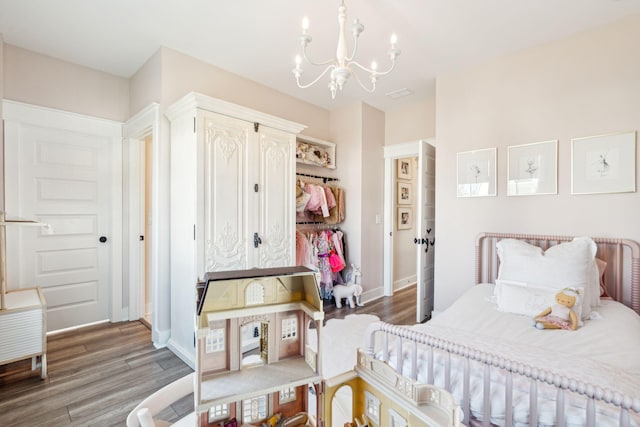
(342, 66)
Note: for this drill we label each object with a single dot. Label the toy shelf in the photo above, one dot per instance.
(316, 152)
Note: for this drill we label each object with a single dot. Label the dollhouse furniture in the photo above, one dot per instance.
(22, 315)
(274, 308)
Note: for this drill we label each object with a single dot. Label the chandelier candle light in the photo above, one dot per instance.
(342, 66)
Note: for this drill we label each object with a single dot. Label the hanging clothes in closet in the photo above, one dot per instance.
(323, 251)
(324, 203)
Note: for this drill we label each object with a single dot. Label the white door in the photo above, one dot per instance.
(425, 229)
(63, 178)
(226, 146)
(248, 195)
(276, 218)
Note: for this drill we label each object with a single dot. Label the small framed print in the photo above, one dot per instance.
(404, 193)
(404, 168)
(405, 218)
(604, 164)
(477, 173)
(532, 169)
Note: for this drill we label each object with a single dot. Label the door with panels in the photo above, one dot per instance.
(247, 196)
(232, 206)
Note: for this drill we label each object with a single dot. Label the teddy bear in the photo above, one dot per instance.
(561, 314)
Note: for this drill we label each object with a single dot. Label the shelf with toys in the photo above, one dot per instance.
(316, 152)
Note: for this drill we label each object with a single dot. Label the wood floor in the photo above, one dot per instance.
(399, 309)
(97, 375)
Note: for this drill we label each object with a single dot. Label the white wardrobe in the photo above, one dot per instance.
(232, 199)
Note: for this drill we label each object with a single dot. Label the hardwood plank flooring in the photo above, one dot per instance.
(98, 374)
(399, 309)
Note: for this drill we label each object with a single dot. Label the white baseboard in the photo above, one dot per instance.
(404, 282)
(182, 353)
(372, 294)
(160, 338)
(73, 328)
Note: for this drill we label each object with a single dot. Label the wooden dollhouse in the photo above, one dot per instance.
(255, 362)
(258, 361)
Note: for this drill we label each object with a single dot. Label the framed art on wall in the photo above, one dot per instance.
(404, 168)
(532, 168)
(404, 193)
(476, 172)
(405, 218)
(604, 164)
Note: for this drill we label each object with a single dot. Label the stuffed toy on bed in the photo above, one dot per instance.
(561, 314)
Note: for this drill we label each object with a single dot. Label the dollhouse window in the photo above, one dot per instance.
(215, 340)
(372, 407)
(254, 409)
(396, 420)
(289, 328)
(287, 395)
(218, 412)
(254, 294)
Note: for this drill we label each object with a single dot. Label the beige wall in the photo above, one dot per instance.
(358, 131)
(145, 86)
(404, 250)
(585, 85)
(182, 74)
(346, 132)
(45, 81)
(411, 122)
(372, 195)
(408, 123)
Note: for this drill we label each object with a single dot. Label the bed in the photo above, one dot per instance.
(502, 370)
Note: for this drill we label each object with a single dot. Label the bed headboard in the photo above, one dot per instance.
(622, 275)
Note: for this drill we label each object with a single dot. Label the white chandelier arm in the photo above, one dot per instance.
(306, 58)
(366, 89)
(353, 52)
(371, 71)
(301, 86)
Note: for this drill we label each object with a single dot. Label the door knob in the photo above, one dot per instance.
(103, 239)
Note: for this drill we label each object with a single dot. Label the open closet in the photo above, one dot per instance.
(320, 209)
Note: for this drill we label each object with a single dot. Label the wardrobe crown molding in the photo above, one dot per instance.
(195, 100)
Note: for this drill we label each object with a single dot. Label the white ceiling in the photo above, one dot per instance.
(258, 39)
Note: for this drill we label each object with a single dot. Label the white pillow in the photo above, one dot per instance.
(519, 298)
(566, 265)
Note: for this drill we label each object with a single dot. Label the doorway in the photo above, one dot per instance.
(141, 133)
(409, 226)
(254, 342)
(144, 227)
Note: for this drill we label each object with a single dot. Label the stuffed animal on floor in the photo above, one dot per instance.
(561, 314)
(350, 292)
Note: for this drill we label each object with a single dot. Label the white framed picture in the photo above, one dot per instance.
(404, 193)
(476, 172)
(532, 169)
(405, 218)
(404, 168)
(604, 164)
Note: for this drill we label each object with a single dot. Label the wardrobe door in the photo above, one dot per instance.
(275, 222)
(224, 243)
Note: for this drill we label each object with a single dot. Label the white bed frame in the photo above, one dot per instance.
(622, 281)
